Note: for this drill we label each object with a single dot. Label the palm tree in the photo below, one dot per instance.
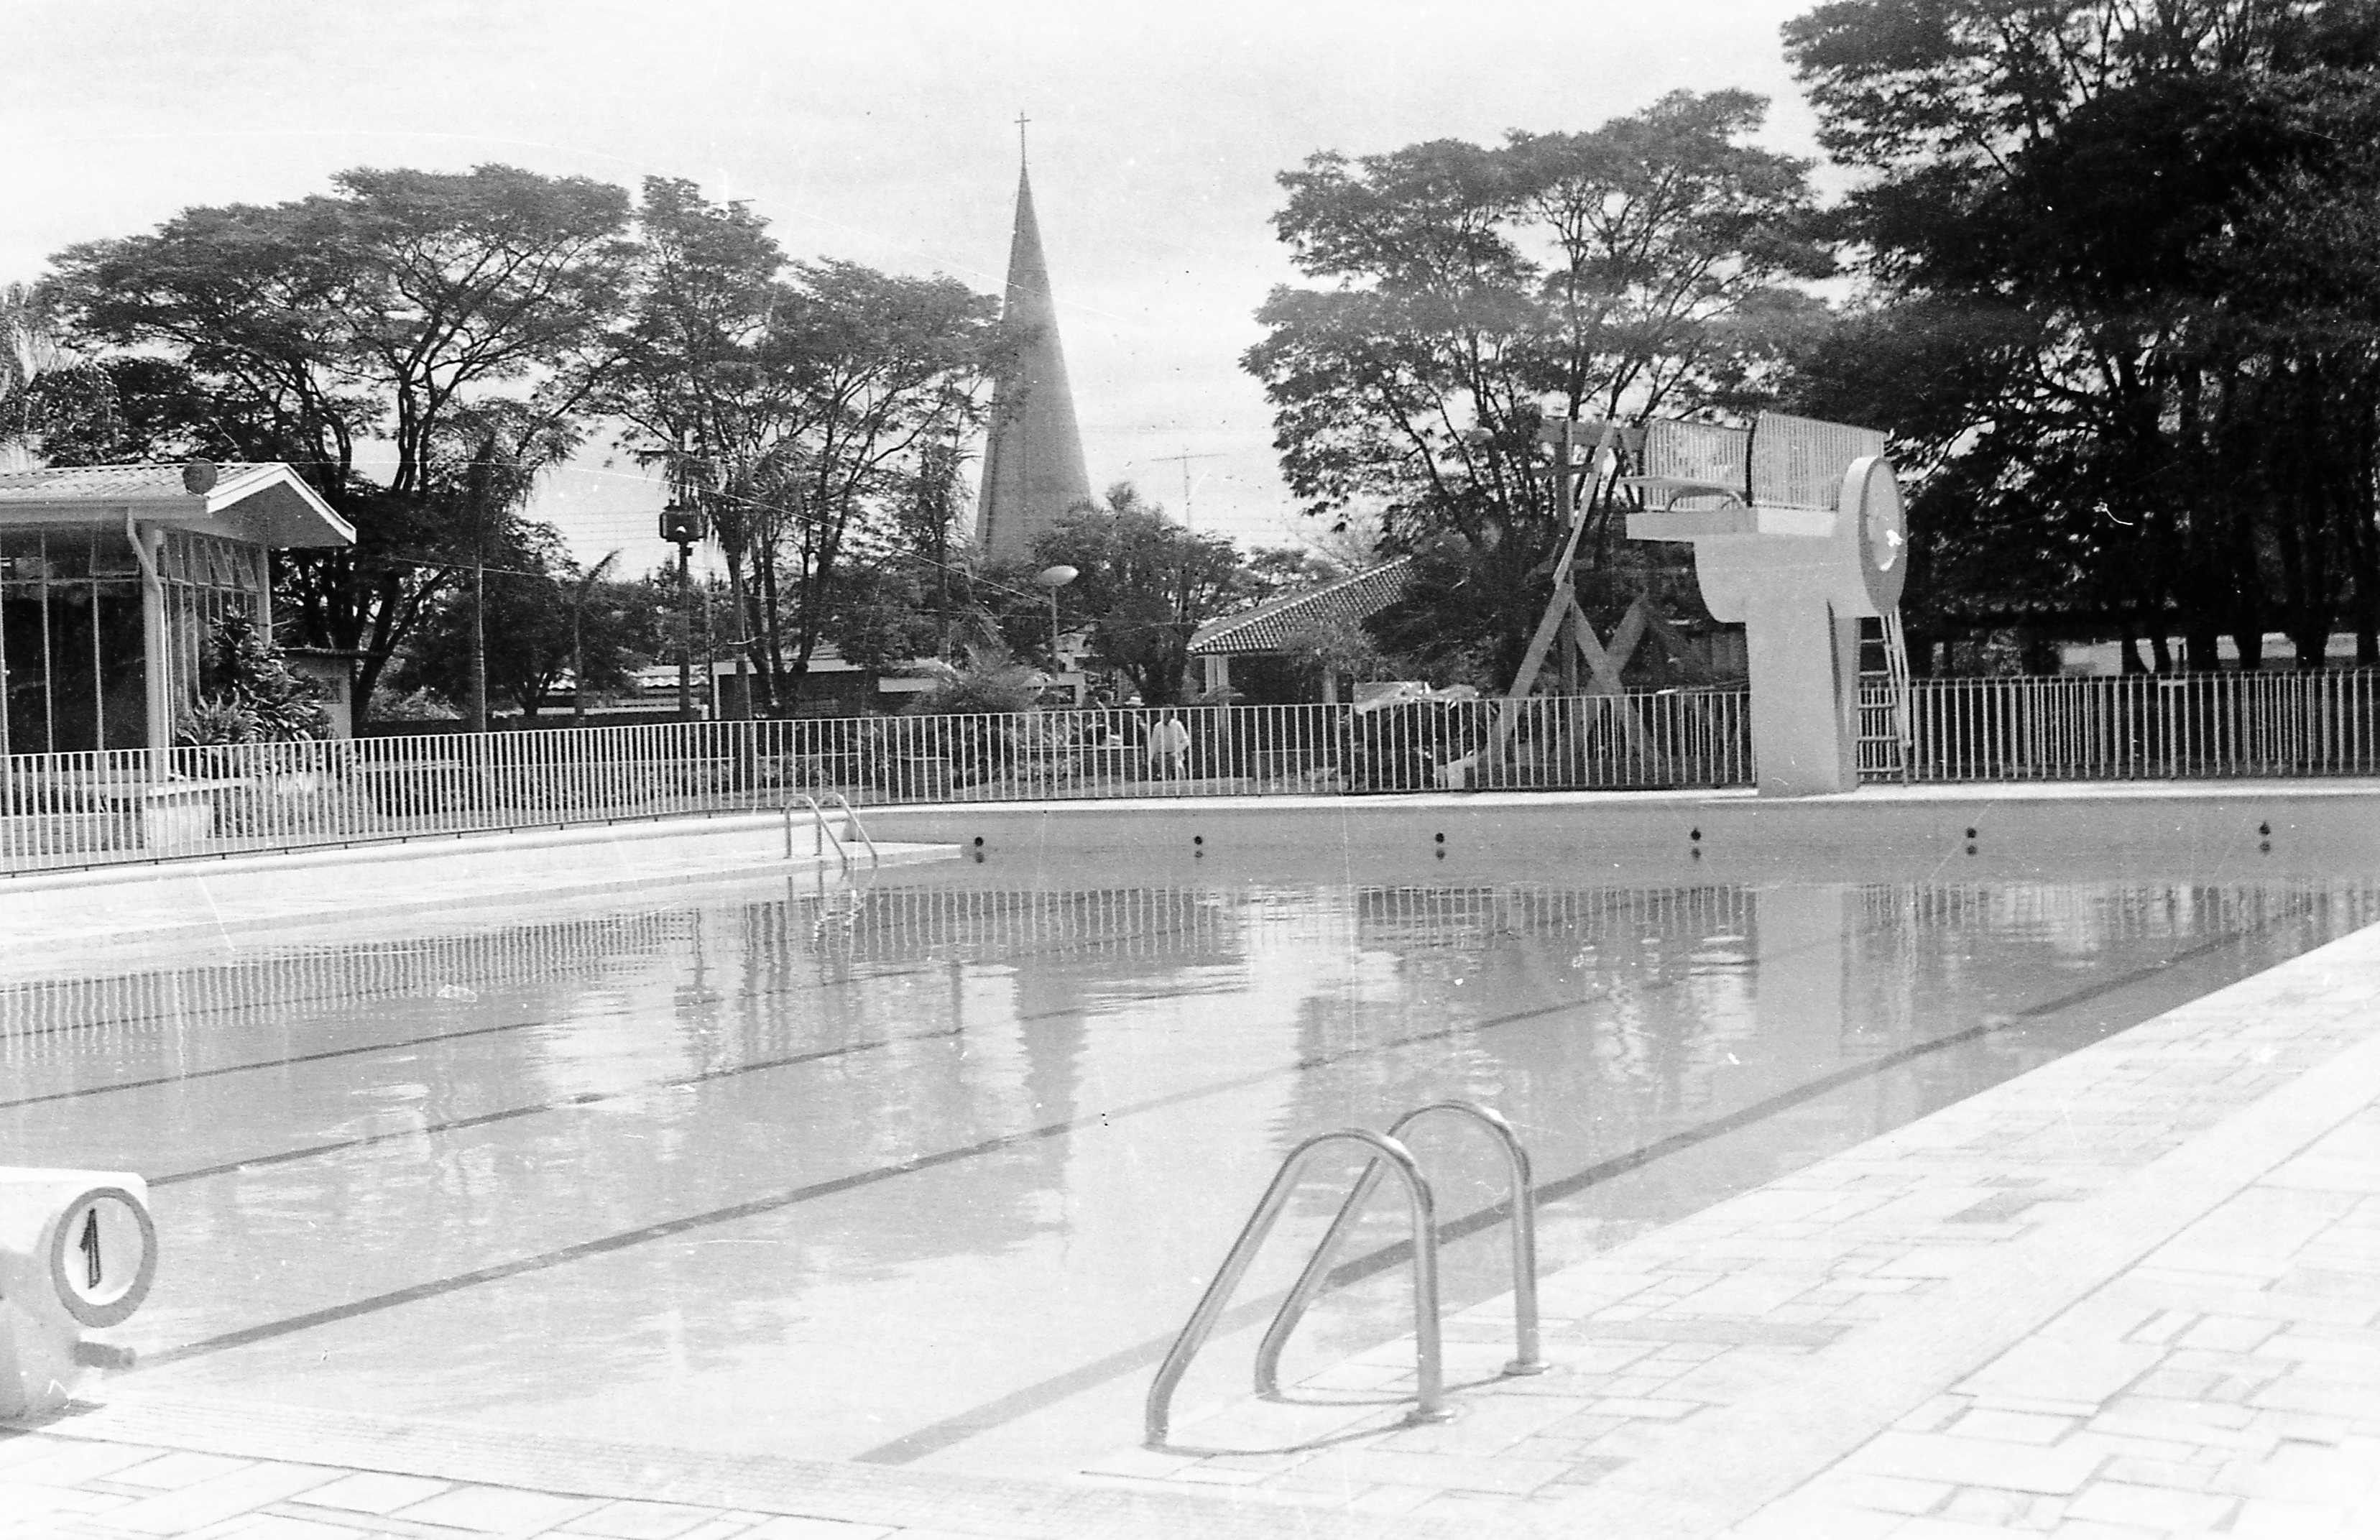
(584, 586)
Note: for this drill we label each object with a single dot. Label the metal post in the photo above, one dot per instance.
(684, 639)
(1566, 646)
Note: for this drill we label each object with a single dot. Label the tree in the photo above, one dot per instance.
(798, 402)
(540, 613)
(1143, 584)
(346, 330)
(882, 616)
(2070, 206)
(248, 693)
(1645, 266)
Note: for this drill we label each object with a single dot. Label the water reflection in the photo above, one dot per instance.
(813, 1170)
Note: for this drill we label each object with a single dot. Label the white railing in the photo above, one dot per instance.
(2145, 726)
(62, 810)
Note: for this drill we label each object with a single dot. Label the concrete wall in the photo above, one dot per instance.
(2227, 831)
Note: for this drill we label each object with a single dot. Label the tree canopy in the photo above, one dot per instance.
(1650, 265)
(421, 346)
(2123, 322)
(350, 335)
(805, 405)
(1144, 585)
(541, 612)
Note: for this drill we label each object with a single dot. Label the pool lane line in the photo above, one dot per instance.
(152, 1081)
(808, 1191)
(950, 1431)
(889, 971)
(1356, 1268)
(584, 1098)
(350, 1051)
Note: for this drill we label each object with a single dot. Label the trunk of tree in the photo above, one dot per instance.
(2363, 540)
(2202, 640)
(772, 625)
(740, 635)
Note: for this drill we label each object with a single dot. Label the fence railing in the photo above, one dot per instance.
(65, 810)
(2132, 727)
(82, 809)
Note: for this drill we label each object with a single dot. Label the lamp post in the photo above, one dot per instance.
(682, 525)
(1054, 578)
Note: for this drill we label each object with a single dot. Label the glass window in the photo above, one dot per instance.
(21, 555)
(111, 554)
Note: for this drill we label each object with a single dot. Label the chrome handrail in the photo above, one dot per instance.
(852, 825)
(820, 836)
(1527, 1358)
(1430, 1374)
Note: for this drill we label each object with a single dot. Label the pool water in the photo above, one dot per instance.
(928, 1171)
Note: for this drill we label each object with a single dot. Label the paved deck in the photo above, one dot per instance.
(2133, 1293)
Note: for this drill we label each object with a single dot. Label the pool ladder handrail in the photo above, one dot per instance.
(1388, 1154)
(821, 836)
(851, 825)
(1527, 1357)
(1421, 1206)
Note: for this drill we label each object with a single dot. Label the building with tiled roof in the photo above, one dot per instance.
(1274, 625)
(1269, 626)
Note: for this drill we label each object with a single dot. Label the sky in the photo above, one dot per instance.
(879, 131)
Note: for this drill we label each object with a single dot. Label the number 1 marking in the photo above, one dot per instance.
(89, 1246)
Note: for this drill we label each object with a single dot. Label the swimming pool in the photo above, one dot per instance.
(927, 1171)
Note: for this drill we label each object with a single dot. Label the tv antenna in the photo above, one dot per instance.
(1184, 460)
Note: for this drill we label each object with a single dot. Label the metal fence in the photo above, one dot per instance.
(2131, 727)
(83, 810)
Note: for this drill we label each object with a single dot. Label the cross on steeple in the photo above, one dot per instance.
(1021, 121)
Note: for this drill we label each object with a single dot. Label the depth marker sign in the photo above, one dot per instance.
(117, 1243)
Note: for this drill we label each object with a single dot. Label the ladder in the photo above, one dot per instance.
(821, 836)
(1389, 1155)
(1884, 700)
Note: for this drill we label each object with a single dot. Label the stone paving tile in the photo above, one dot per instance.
(816, 1529)
(2022, 1427)
(1800, 1521)
(71, 1462)
(374, 1492)
(26, 1500)
(186, 1510)
(2151, 1507)
(638, 1520)
(277, 1526)
(18, 1447)
(498, 1509)
(170, 1471)
(725, 1528)
(1978, 1463)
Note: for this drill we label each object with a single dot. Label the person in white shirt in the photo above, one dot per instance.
(1169, 747)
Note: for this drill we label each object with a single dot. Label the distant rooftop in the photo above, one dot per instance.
(1269, 626)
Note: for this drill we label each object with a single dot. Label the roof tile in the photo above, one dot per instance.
(1269, 626)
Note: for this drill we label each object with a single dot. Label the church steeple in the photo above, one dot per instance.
(1032, 461)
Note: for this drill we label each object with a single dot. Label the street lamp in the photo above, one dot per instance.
(682, 525)
(1054, 578)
